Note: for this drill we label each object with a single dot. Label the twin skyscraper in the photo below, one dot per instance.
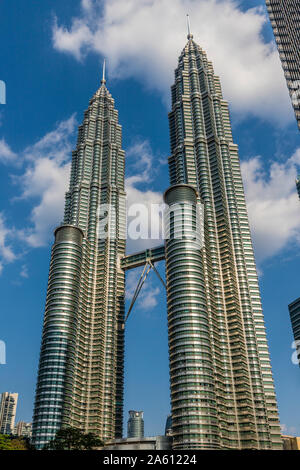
(222, 390)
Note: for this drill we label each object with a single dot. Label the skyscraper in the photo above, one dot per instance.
(285, 19)
(222, 391)
(135, 425)
(8, 408)
(294, 309)
(80, 378)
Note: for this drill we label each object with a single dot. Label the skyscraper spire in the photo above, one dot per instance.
(103, 81)
(189, 36)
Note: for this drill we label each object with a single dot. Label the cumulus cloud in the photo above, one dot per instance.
(43, 182)
(273, 204)
(143, 203)
(47, 180)
(143, 38)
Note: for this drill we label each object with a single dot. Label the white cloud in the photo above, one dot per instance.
(45, 181)
(24, 271)
(140, 160)
(143, 39)
(148, 296)
(72, 41)
(7, 254)
(55, 144)
(273, 204)
(6, 154)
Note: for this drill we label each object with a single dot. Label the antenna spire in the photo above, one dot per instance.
(190, 36)
(103, 81)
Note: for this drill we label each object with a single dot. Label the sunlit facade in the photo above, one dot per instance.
(80, 379)
(222, 391)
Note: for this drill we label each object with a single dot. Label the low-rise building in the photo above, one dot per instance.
(291, 443)
(146, 443)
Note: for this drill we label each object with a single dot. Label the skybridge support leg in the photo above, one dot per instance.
(147, 268)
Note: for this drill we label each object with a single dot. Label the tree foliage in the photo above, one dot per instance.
(73, 439)
(13, 443)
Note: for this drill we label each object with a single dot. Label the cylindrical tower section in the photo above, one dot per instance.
(55, 376)
(193, 401)
(135, 425)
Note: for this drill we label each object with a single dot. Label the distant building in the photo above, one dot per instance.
(294, 309)
(285, 17)
(291, 443)
(168, 428)
(8, 408)
(23, 429)
(146, 443)
(135, 425)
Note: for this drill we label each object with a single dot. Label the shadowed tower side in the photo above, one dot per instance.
(80, 379)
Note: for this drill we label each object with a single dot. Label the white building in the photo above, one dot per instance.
(8, 408)
(23, 429)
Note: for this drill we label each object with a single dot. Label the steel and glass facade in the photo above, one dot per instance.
(135, 424)
(80, 378)
(285, 20)
(222, 391)
(294, 309)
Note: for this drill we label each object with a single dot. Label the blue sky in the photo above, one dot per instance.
(51, 58)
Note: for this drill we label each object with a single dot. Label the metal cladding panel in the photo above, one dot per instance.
(69, 233)
(180, 193)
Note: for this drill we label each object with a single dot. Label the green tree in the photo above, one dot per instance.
(14, 443)
(73, 439)
(5, 442)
